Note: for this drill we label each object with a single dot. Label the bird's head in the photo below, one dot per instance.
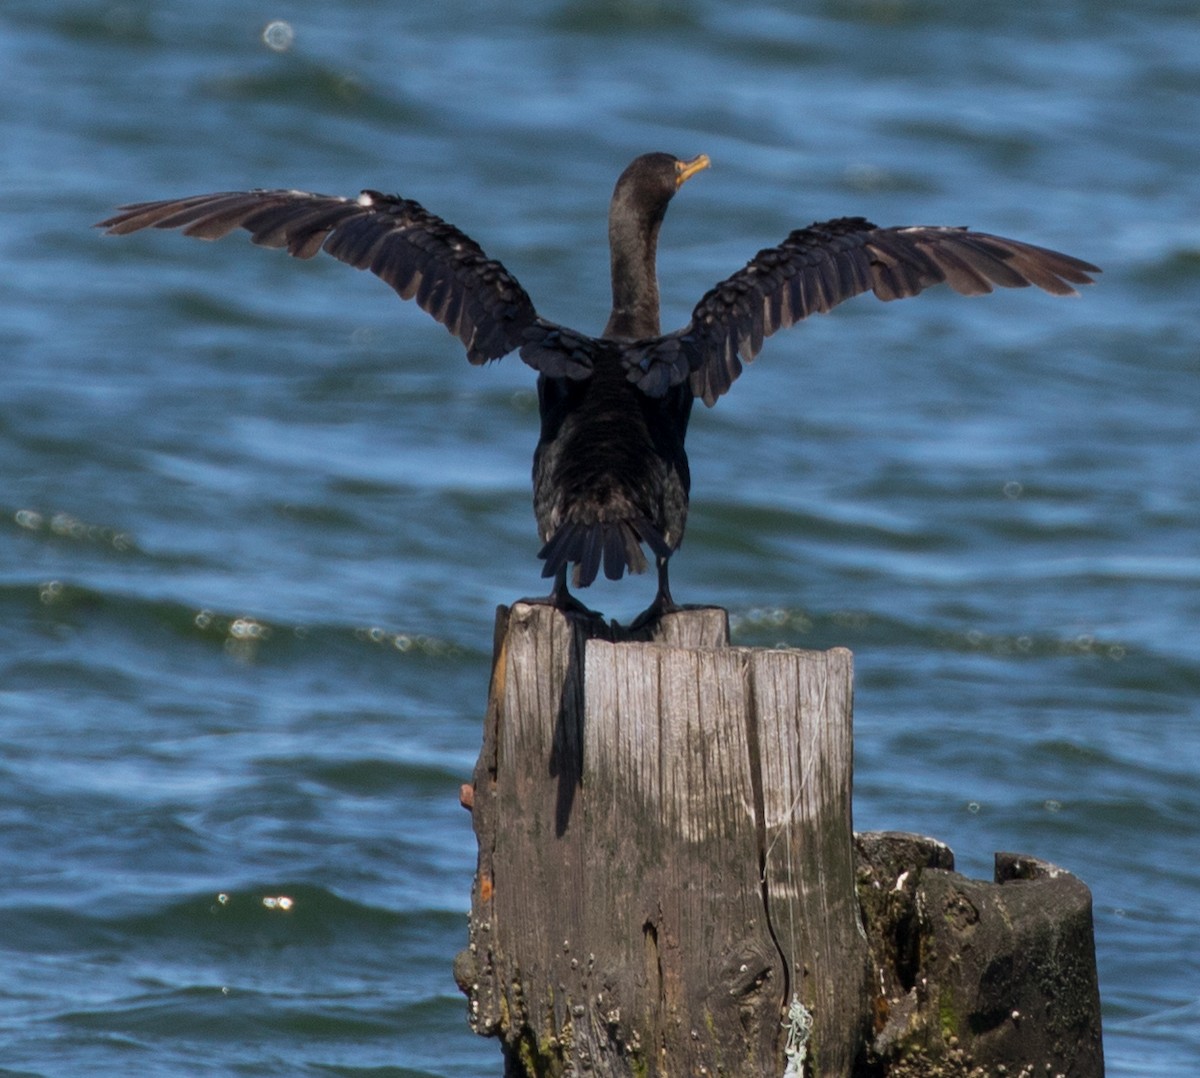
(650, 182)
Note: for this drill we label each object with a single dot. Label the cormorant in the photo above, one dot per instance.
(610, 472)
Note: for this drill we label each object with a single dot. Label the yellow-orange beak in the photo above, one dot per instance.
(685, 170)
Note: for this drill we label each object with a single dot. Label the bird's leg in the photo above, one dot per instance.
(663, 603)
(561, 599)
(559, 595)
(663, 600)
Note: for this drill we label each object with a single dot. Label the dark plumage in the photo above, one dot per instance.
(610, 475)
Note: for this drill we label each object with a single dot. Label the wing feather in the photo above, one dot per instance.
(418, 254)
(816, 268)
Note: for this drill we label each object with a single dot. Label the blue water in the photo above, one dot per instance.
(255, 515)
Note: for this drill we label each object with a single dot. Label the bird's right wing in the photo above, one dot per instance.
(814, 270)
(420, 255)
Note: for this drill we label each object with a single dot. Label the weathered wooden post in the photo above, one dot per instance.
(668, 880)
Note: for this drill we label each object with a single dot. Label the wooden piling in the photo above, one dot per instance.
(667, 866)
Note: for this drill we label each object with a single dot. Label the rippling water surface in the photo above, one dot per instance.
(255, 515)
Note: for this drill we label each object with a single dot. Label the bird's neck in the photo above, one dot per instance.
(634, 247)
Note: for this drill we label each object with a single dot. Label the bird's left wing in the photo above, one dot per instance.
(420, 255)
(817, 268)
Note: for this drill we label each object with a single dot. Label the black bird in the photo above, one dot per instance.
(610, 472)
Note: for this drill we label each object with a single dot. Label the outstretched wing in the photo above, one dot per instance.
(817, 268)
(421, 256)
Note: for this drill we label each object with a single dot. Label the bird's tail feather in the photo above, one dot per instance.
(615, 544)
